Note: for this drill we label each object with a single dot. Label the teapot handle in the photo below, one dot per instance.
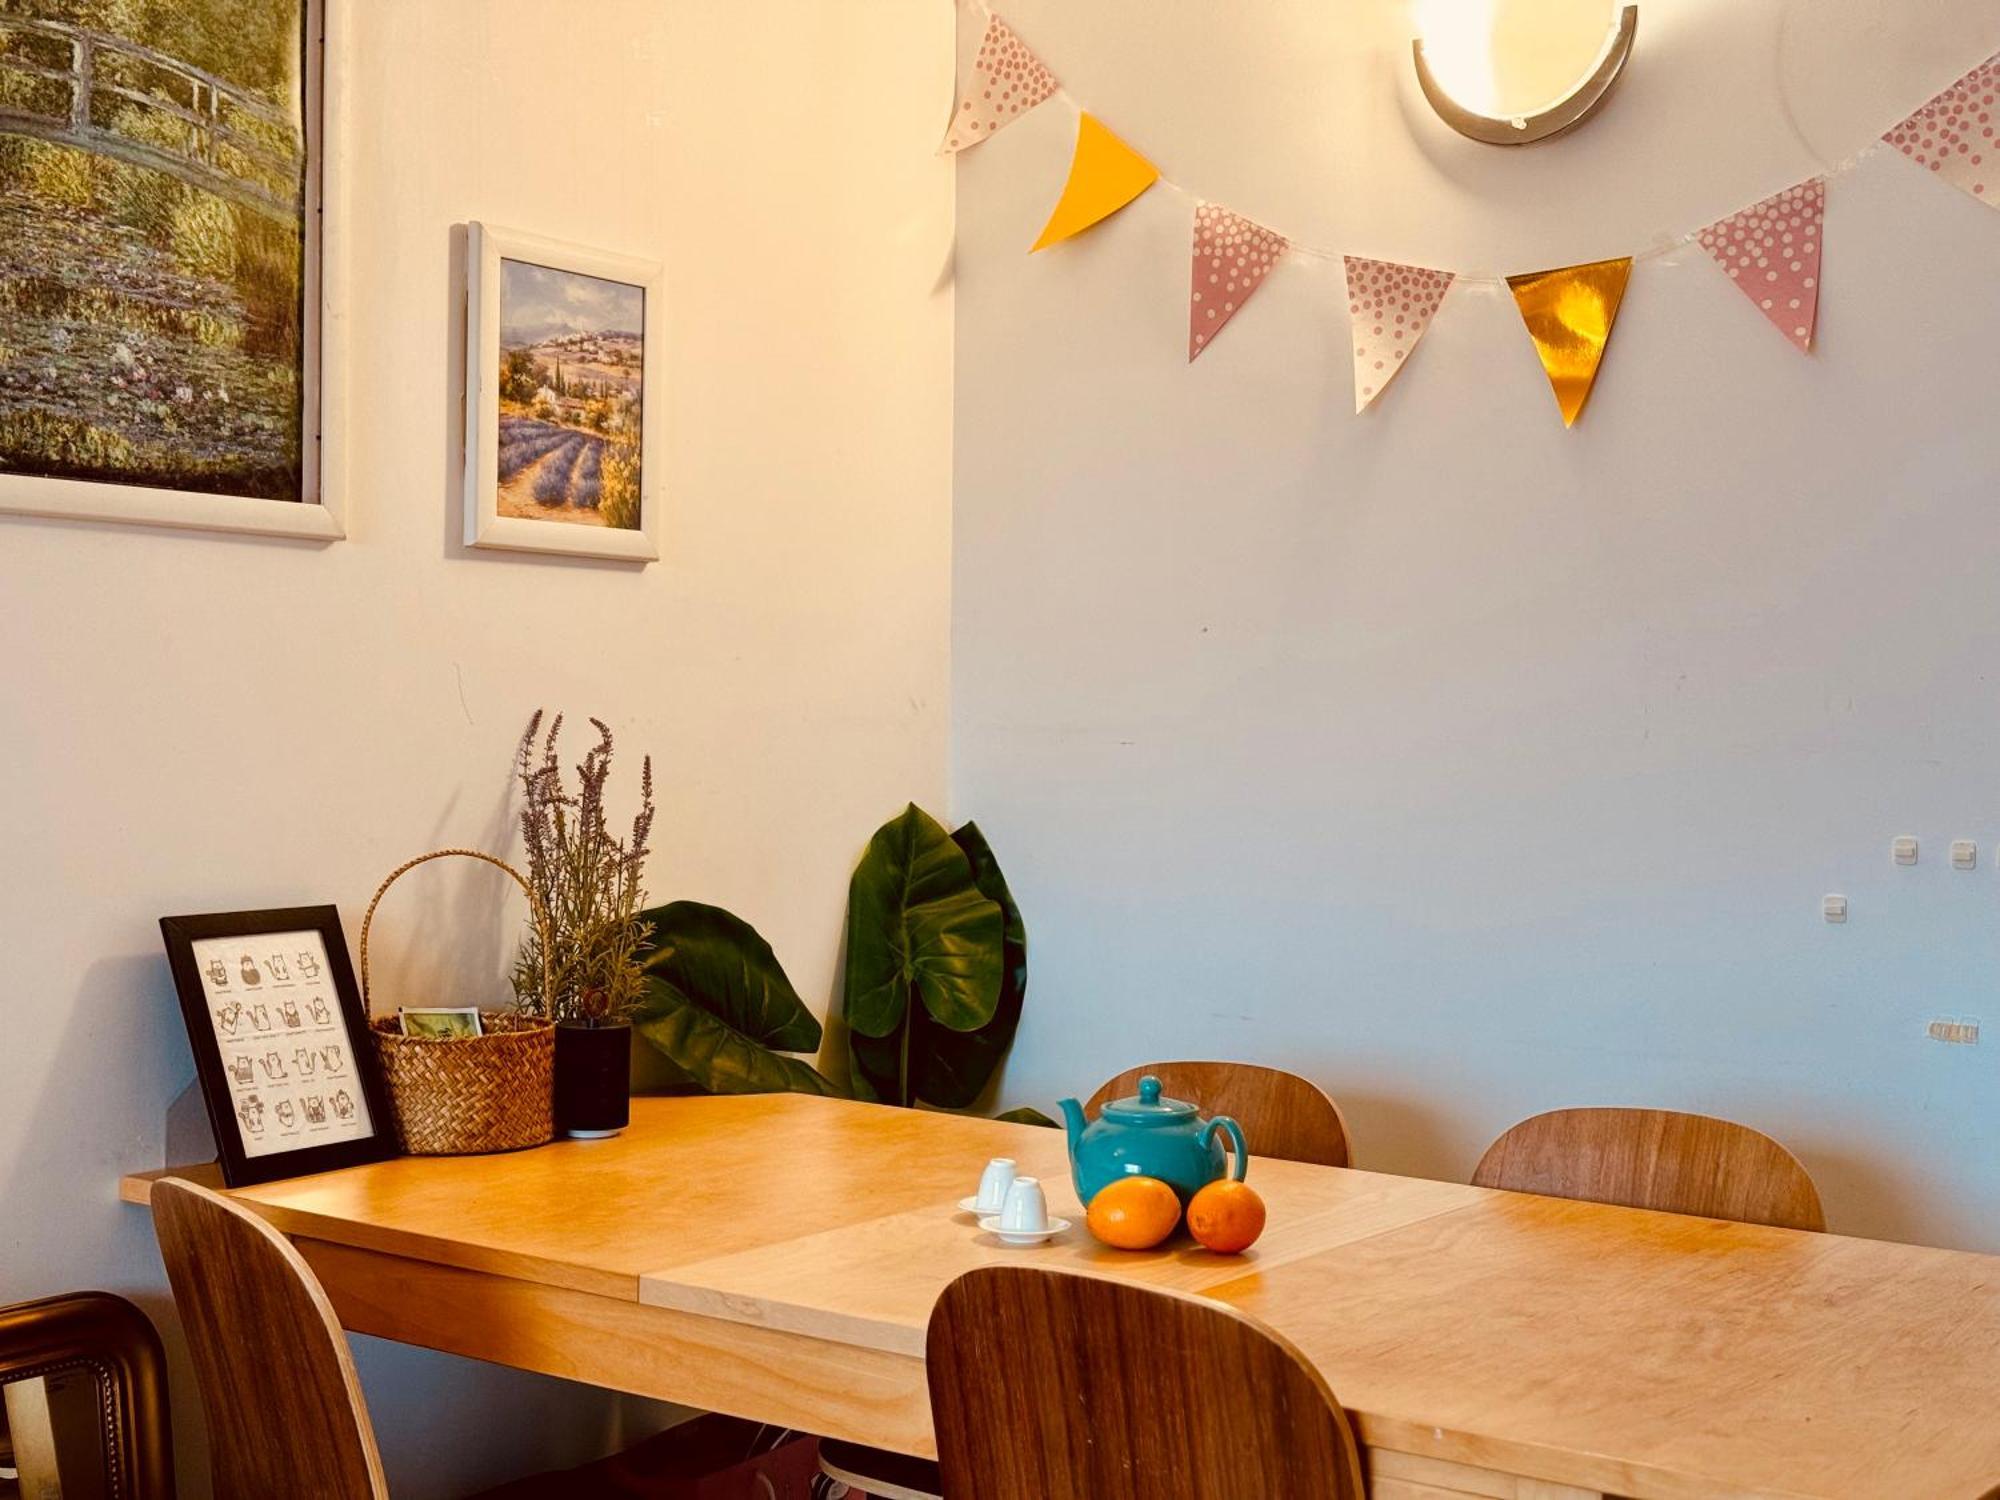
(1240, 1163)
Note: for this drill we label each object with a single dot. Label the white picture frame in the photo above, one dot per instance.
(319, 515)
(487, 248)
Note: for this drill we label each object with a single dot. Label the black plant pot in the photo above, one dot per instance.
(593, 1079)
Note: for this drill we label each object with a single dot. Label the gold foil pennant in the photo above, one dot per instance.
(1569, 313)
(1105, 175)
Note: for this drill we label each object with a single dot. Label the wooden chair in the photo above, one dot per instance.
(285, 1411)
(109, 1339)
(1655, 1158)
(1282, 1115)
(284, 1406)
(1050, 1386)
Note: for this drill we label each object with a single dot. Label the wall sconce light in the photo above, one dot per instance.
(1566, 113)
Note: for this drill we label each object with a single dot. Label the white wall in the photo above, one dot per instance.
(1470, 766)
(194, 723)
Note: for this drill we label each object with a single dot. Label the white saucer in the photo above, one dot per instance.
(991, 1224)
(971, 1206)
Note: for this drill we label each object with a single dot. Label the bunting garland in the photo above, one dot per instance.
(1104, 176)
(1231, 258)
(1770, 250)
(1569, 313)
(1007, 81)
(1953, 133)
(1390, 307)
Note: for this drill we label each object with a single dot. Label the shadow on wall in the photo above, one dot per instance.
(1866, 1197)
(446, 933)
(1391, 1134)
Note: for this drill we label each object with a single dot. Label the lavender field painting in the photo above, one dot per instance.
(572, 363)
(152, 244)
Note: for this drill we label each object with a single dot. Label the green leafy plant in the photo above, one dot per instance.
(937, 959)
(719, 1008)
(936, 977)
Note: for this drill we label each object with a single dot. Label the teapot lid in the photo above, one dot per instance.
(1149, 1108)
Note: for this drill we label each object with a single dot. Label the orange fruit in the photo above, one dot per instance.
(1134, 1213)
(1226, 1217)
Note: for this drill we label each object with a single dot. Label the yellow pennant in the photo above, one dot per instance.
(1569, 313)
(1105, 175)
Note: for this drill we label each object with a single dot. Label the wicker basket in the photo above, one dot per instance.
(463, 1096)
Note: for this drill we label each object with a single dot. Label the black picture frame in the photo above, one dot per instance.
(244, 1162)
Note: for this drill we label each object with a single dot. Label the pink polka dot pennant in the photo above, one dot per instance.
(1007, 81)
(1391, 307)
(1232, 256)
(1953, 136)
(1771, 251)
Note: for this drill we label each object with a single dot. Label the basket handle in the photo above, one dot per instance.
(535, 907)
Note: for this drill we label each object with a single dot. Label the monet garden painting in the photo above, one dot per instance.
(153, 245)
(572, 382)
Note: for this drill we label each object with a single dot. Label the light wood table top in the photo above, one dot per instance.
(1488, 1343)
(1659, 1355)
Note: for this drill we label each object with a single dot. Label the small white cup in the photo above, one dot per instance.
(1026, 1210)
(993, 1184)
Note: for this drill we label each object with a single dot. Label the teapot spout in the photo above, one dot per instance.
(1072, 1113)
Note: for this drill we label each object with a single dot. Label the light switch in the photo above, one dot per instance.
(1904, 850)
(1834, 908)
(1964, 854)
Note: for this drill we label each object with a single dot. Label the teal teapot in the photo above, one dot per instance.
(1150, 1136)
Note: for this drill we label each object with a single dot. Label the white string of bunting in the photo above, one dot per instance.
(1770, 250)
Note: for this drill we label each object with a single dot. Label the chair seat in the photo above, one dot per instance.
(877, 1472)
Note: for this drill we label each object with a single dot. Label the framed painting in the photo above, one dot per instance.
(561, 398)
(166, 212)
(281, 1045)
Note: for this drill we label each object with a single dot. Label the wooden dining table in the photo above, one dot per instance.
(777, 1257)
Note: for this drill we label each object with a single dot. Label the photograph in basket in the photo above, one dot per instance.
(281, 1047)
(455, 1021)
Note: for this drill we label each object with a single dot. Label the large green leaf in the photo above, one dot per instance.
(875, 1066)
(718, 1005)
(917, 923)
(952, 1068)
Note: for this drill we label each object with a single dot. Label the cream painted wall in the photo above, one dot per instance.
(1470, 766)
(195, 723)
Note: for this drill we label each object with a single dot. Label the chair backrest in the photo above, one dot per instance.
(112, 1339)
(1655, 1158)
(285, 1413)
(1283, 1115)
(1052, 1386)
